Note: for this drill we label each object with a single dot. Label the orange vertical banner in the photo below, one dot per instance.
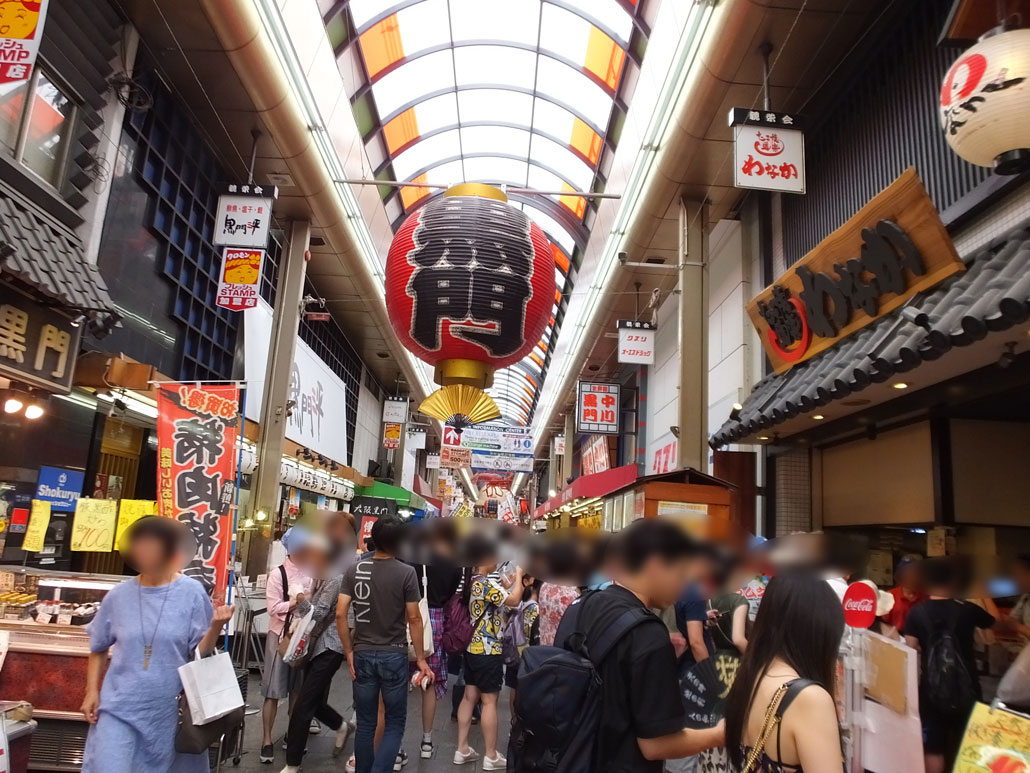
(197, 426)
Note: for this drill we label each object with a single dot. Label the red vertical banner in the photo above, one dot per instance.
(196, 465)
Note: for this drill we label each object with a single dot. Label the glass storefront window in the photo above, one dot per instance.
(36, 120)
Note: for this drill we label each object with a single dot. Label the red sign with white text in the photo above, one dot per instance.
(859, 605)
(240, 277)
(196, 441)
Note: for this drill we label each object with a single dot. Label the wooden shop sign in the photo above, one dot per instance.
(891, 249)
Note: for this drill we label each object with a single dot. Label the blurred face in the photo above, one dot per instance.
(908, 577)
(664, 580)
(148, 555)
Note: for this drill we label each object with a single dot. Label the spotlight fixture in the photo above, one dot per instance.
(248, 523)
(334, 466)
(818, 417)
(34, 409)
(552, 493)
(735, 412)
(1008, 356)
(13, 402)
(78, 320)
(261, 515)
(763, 437)
(900, 385)
(675, 430)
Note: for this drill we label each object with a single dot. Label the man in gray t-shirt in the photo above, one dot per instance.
(383, 594)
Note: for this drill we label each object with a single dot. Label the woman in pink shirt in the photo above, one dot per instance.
(565, 567)
(286, 586)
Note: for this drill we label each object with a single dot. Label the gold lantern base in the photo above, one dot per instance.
(469, 372)
(460, 405)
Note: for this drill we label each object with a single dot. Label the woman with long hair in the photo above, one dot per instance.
(780, 714)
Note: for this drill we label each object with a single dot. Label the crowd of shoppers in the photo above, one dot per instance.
(488, 603)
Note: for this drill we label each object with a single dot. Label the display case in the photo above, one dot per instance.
(45, 616)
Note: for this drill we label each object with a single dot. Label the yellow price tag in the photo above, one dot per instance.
(35, 532)
(130, 511)
(94, 525)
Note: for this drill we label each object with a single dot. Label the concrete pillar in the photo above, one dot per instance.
(281, 349)
(693, 336)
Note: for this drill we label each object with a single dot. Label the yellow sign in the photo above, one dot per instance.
(997, 742)
(130, 511)
(464, 511)
(94, 525)
(39, 519)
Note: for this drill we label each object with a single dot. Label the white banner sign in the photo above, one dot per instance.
(318, 418)
(395, 410)
(433, 461)
(768, 151)
(495, 460)
(416, 440)
(243, 216)
(559, 445)
(491, 437)
(636, 341)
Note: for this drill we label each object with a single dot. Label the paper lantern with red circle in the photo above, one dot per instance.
(469, 284)
(985, 101)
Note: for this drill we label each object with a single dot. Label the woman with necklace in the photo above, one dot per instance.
(155, 622)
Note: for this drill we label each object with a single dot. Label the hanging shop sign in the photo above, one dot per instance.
(243, 216)
(597, 407)
(768, 150)
(498, 460)
(415, 440)
(455, 458)
(38, 345)
(433, 462)
(559, 445)
(196, 464)
(491, 437)
(893, 248)
(375, 507)
(395, 409)
(293, 473)
(595, 456)
(22, 29)
(392, 435)
(317, 418)
(59, 486)
(239, 280)
(984, 102)
(636, 341)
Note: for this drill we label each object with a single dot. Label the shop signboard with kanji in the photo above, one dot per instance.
(21, 29)
(452, 458)
(636, 341)
(38, 345)
(197, 428)
(392, 435)
(239, 280)
(597, 408)
(887, 252)
(768, 150)
(243, 216)
(395, 409)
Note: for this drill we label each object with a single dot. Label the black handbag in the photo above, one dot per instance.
(194, 739)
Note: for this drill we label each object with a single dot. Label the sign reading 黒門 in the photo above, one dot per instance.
(38, 345)
(244, 215)
(196, 441)
(597, 408)
(891, 249)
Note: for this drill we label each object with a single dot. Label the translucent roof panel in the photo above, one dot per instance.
(521, 93)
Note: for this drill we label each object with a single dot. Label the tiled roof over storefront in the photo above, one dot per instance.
(45, 257)
(992, 294)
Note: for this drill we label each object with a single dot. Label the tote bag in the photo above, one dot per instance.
(210, 687)
(427, 625)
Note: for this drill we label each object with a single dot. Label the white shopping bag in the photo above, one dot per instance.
(427, 626)
(211, 688)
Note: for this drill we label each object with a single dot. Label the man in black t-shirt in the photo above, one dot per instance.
(642, 721)
(942, 732)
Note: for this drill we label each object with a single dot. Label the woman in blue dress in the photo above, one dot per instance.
(155, 622)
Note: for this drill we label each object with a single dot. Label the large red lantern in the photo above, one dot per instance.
(469, 284)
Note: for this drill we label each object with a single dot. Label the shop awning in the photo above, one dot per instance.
(588, 486)
(402, 496)
(36, 251)
(991, 295)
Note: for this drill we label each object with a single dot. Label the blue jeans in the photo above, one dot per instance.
(387, 673)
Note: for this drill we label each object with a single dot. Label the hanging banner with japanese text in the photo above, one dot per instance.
(636, 341)
(244, 215)
(21, 29)
(597, 408)
(239, 279)
(196, 439)
(768, 151)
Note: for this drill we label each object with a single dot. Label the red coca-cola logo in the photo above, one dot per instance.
(859, 605)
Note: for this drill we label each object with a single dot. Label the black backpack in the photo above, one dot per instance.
(559, 699)
(947, 684)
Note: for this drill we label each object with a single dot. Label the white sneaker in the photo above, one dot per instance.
(460, 759)
(314, 728)
(291, 769)
(425, 750)
(495, 763)
(352, 765)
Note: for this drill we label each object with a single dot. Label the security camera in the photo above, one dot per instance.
(623, 258)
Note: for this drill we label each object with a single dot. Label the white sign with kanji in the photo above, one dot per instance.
(597, 408)
(243, 218)
(770, 158)
(636, 342)
(21, 29)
